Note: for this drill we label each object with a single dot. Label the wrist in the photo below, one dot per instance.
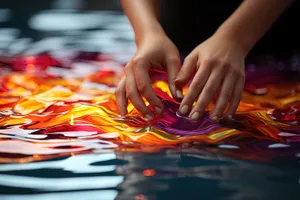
(149, 31)
(237, 37)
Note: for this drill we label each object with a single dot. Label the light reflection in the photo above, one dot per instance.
(5, 14)
(140, 197)
(60, 184)
(87, 195)
(67, 4)
(245, 180)
(30, 68)
(149, 172)
(56, 20)
(189, 168)
(72, 120)
(77, 164)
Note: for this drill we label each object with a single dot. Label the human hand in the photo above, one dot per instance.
(156, 52)
(217, 61)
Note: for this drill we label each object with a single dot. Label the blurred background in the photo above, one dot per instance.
(33, 26)
(64, 27)
(68, 28)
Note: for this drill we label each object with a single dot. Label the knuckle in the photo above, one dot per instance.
(209, 89)
(117, 91)
(127, 67)
(174, 59)
(142, 86)
(226, 65)
(224, 68)
(129, 94)
(137, 60)
(209, 60)
(196, 85)
(226, 95)
(188, 59)
(200, 106)
(235, 71)
(219, 61)
(243, 76)
(217, 111)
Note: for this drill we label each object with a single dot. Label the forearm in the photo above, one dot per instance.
(252, 19)
(143, 16)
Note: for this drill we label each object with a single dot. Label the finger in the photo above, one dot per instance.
(187, 70)
(120, 93)
(133, 95)
(225, 96)
(144, 86)
(236, 97)
(173, 67)
(207, 93)
(195, 88)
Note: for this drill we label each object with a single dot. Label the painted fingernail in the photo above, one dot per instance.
(184, 110)
(195, 116)
(179, 94)
(158, 110)
(230, 117)
(215, 119)
(148, 117)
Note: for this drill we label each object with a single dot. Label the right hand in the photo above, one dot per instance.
(156, 51)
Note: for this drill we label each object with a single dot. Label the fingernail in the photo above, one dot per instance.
(179, 94)
(215, 119)
(195, 116)
(229, 117)
(158, 110)
(123, 113)
(148, 117)
(184, 110)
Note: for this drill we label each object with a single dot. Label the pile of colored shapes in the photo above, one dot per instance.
(49, 109)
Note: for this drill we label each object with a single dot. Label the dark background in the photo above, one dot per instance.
(22, 11)
(187, 22)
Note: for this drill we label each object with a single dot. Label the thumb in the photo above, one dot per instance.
(186, 72)
(173, 67)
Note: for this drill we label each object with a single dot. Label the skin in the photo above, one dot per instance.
(216, 63)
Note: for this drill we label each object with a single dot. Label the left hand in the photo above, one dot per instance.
(217, 61)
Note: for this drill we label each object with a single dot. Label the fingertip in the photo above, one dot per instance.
(216, 114)
(175, 93)
(123, 112)
(229, 117)
(148, 117)
(184, 109)
(121, 102)
(122, 109)
(158, 110)
(179, 82)
(172, 89)
(179, 94)
(216, 119)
